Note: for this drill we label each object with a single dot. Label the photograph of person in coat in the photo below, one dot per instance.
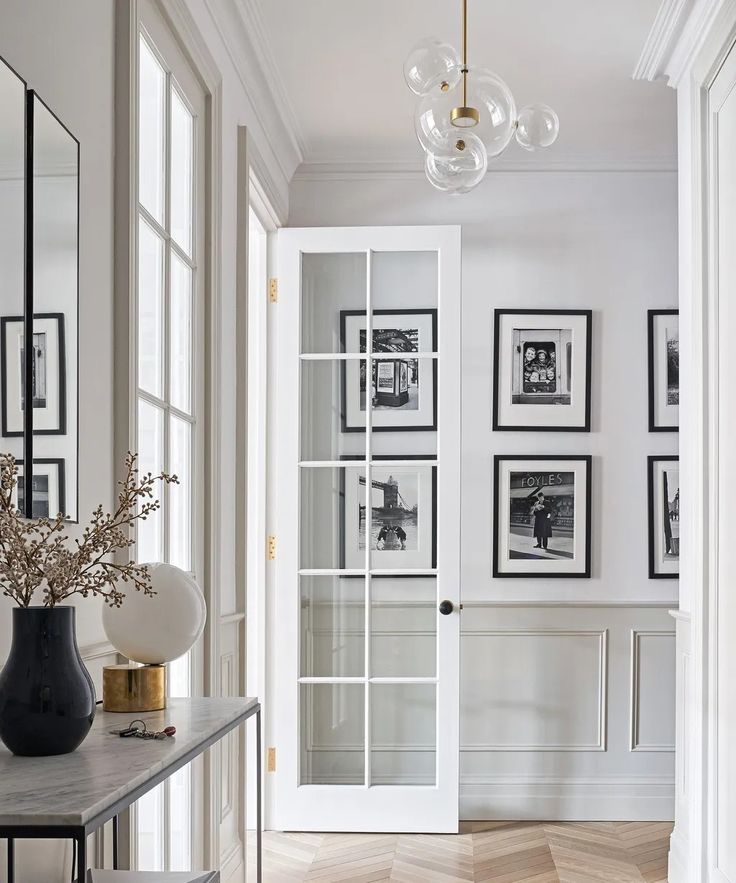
(542, 513)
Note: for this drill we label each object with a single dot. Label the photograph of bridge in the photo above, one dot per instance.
(394, 512)
(402, 502)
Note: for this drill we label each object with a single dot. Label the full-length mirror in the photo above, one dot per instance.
(55, 248)
(12, 259)
(39, 282)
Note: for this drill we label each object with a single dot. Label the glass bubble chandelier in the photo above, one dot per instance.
(466, 116)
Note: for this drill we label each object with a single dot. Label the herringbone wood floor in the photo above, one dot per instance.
(497, 852)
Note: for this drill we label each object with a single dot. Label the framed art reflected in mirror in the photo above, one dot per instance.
(48, 374)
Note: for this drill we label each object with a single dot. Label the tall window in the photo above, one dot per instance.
(170, 368)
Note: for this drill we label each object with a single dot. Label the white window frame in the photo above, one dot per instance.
(151, 30)
(204, 674)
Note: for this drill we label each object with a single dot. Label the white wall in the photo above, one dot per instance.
(604, 241)
(66, 52)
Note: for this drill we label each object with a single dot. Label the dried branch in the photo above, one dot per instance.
(39, 554)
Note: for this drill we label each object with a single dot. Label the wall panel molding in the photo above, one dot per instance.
(636, 744)
(602, 684)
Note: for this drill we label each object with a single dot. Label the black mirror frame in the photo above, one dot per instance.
(29, 309)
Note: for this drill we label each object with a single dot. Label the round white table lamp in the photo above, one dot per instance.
(151, 630)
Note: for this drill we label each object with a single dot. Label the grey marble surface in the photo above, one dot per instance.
(72, 789)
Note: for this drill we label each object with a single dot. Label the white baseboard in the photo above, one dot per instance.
(605, 799)
(677, 861)
(232, 865)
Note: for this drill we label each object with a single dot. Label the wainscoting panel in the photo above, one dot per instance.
(567, 712)
(552, 698)
(653, 691)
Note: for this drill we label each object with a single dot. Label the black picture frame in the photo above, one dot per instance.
(5, 321)
(652, 460)
(497, 316)
(550, 458)
(430, 427)
(356, 458)
(60, 464)
(651, 317)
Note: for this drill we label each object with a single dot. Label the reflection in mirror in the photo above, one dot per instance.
(55, 296)
(12, 257)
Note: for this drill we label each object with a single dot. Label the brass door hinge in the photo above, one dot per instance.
(271, 761)
(273, 290)
(271, 548)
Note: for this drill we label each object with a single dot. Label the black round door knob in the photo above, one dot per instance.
(446, 607)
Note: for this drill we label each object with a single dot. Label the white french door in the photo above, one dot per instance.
(365, 682)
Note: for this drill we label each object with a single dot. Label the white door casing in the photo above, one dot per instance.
(722, 777)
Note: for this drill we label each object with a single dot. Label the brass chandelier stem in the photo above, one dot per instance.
(465, 52)
(464, 116)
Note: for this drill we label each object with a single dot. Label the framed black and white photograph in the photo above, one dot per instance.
(48, 393)
(541, 516)
(664, 370)
(664, 517)
(403, 506)
(402, 390)
(541, 370)
(48, 488)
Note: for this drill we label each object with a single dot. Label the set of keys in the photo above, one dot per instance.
(142, 731)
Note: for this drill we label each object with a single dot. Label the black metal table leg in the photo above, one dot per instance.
(114, 843)
(11, 860)
(81, 858)
(259, 820)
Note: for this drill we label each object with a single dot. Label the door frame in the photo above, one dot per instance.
(688, 44)
(382, 808)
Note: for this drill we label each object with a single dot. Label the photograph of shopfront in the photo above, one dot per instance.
(542, 515)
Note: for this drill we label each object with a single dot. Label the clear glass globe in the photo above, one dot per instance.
(458, 164)
(431, 63)
(538, 126)
(432, 117)
(493, 99)
(488, 94)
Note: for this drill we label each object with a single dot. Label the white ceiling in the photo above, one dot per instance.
(337, 70)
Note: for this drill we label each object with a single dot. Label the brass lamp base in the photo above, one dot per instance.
(133, 688)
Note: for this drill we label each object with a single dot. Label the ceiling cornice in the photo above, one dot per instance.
(402, 170)
(661, 39)
(676, 36)
(241, 32)
(251, 13)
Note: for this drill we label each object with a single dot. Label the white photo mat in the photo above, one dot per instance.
(664, 563)
(541, 415)
(53, 471)
(420, 417)
(420, 551)
(47, 419)
(578, 564)
(665, 326)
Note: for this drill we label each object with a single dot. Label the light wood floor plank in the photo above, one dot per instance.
(484, 852)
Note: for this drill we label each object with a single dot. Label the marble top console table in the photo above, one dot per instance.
(72, 795)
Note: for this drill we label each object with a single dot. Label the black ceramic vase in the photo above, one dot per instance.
(47, 699)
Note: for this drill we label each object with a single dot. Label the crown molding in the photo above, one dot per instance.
(661, 39)
(678, 33)
(403, 169)
(239, 27)
(251, 13)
